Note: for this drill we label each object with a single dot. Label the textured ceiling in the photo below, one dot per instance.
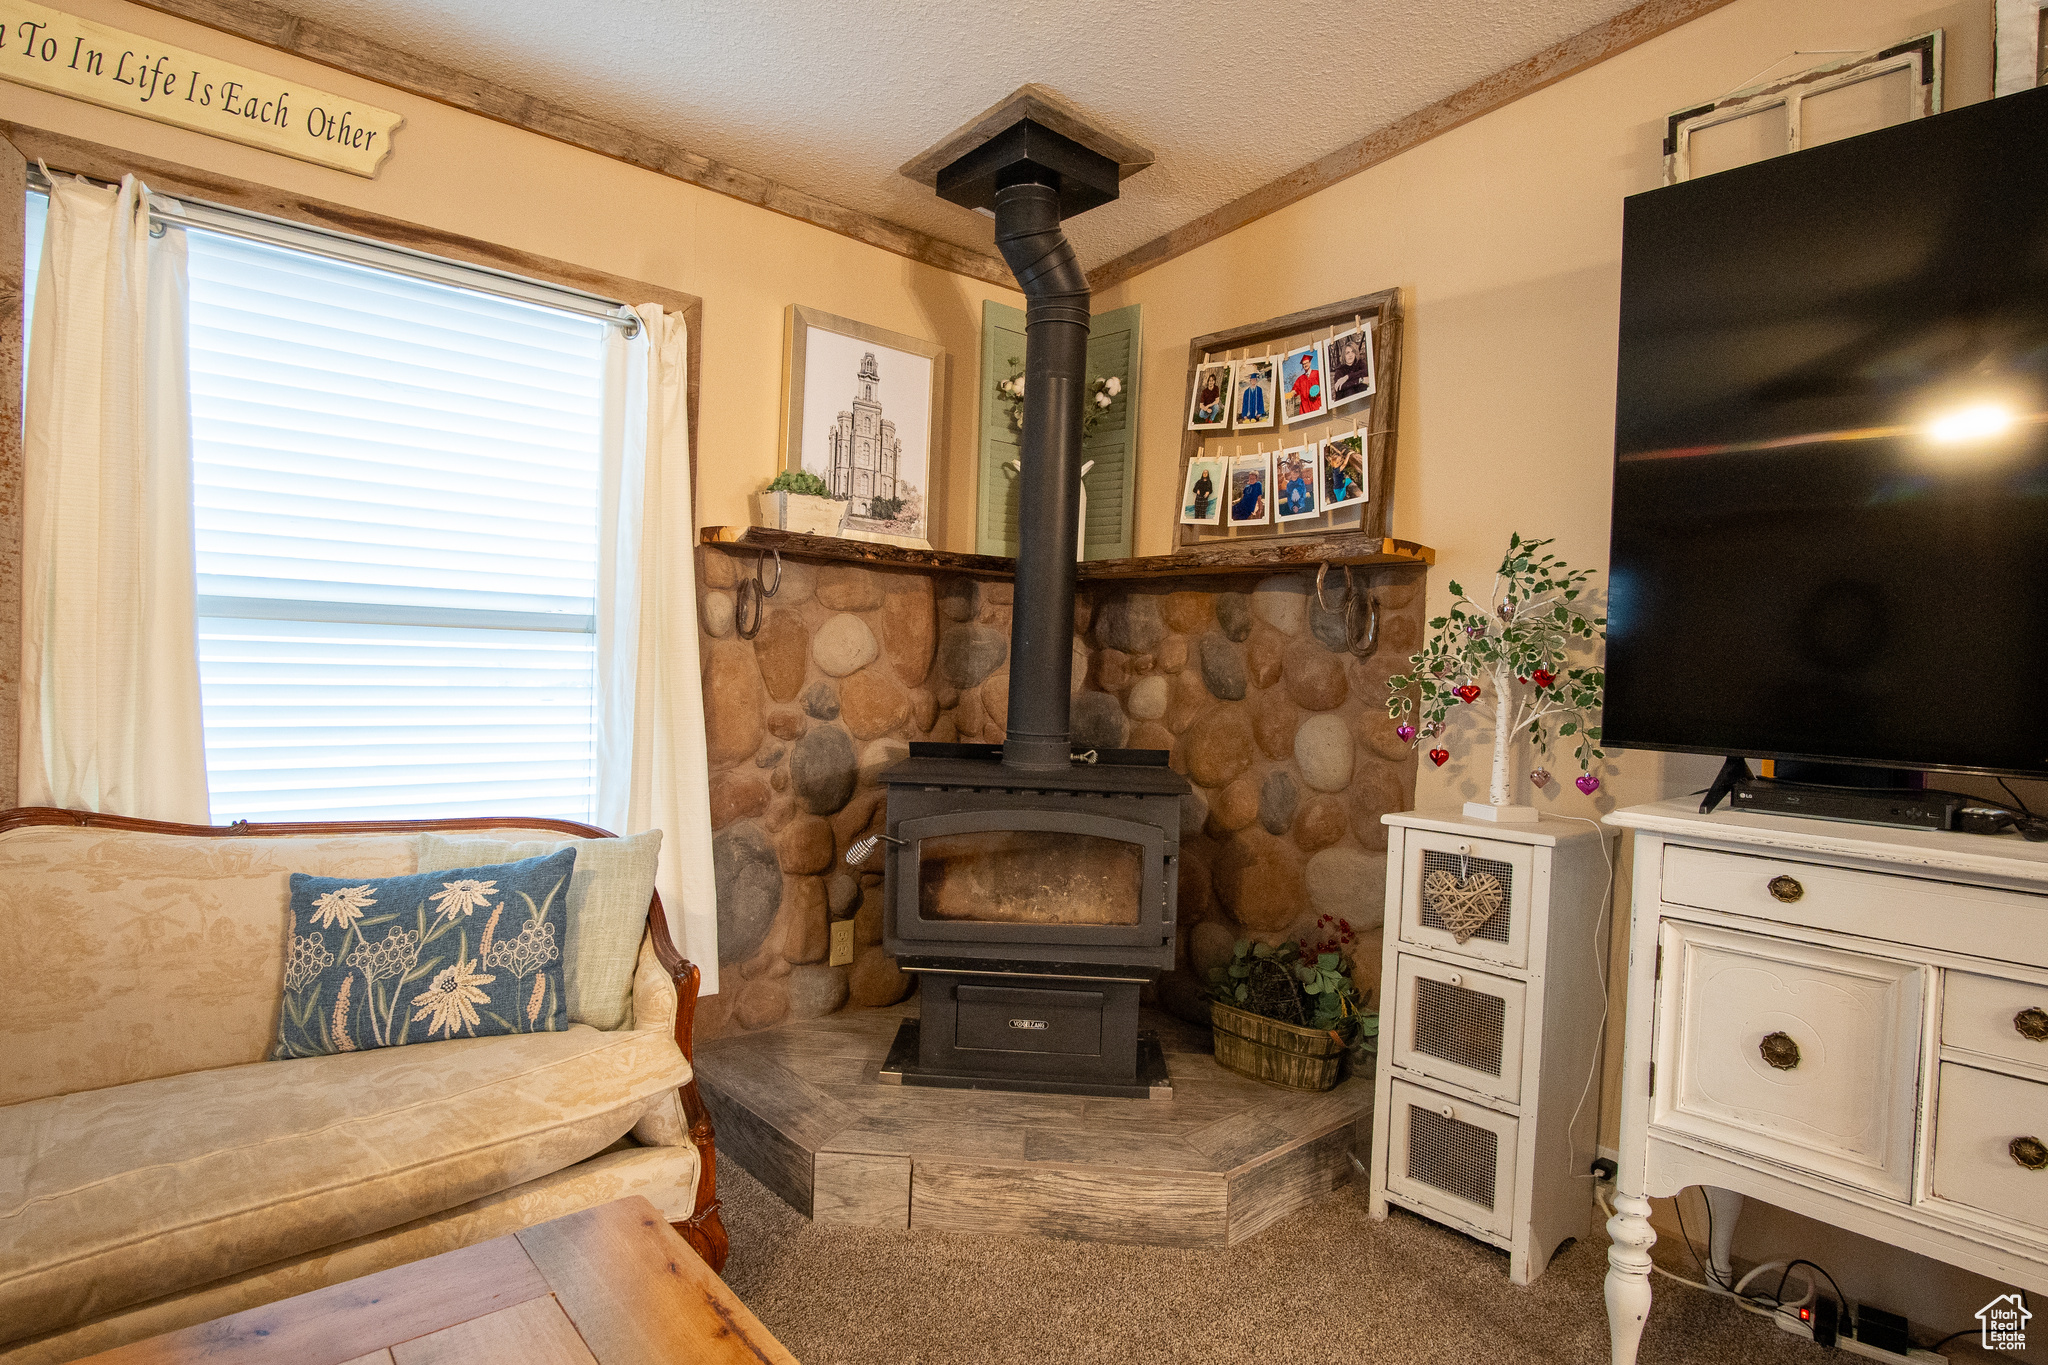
(831, 97)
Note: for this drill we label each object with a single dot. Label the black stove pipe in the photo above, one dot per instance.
(1049, 478)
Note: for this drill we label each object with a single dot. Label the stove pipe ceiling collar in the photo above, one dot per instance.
(1032, 177)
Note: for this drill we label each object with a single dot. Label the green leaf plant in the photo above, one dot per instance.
(1519, 642)
(1300, 983)
(800, 481)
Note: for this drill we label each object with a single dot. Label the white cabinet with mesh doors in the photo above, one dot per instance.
(1491, 1001)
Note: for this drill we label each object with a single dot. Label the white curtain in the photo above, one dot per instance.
(110, 715)
(652, 768)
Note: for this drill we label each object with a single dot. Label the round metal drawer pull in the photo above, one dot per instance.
(2029, 1152)
(1455, 979)
(2032, 1023)
(1779, 1050)
(1786, 889)
(1452, 1113)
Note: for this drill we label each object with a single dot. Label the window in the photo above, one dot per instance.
(395, 497)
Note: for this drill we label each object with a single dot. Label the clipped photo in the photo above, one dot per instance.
(1343, 471)
(1250, 478)
(1349, 357)
(1201, 501)
(1252, 409)
(1210, 409)
(1303, 395)
(1294, 484)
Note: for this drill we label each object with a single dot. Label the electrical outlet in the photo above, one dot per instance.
(842, 942)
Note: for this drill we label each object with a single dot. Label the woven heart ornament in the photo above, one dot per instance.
(1465, 903)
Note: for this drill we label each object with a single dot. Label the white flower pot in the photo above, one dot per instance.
(798, 512)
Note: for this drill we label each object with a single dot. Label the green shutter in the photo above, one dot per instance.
(1113, 345)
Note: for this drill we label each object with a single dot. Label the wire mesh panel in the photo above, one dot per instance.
(1453, 1156)
(1501, 925)
(1465, 1027)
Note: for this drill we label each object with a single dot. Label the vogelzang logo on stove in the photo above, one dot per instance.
(2004, 1321)
(1027, 1023)
(61, 53)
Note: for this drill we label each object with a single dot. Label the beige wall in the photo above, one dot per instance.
(464, 174)
(1506, 237)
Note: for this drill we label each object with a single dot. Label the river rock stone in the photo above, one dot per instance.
(1401, 632)
(1275, 718)
(863, 815)
(821, 701)
(1172, 654)
(1349, 885)
(1223, 670)
(804, 845)
(732, 703)
(1129, 621)
(780, 648)
(969, 653)
(1322, 751)
(968, 715)
(1234, 615)
(799, 581)
(1212, 945)
(770, 756)
(1077, 670)
(1320, 824)
(749, 884)
(1221, 750)
(871, 705)
(823, 768)
(1258, 879)
(1315, 677)
(1195, 892)
(1282, 602)
(736, 795)
(1263, 656)
(1397, 589)
(867, 921)
(880, 755)
(843, 645)
(763, 1003)
(720, 570)
(1189, 613)
(1112, 670)
(716, 618)
(1190, 699)
(1236, 806)
(806, 933)
(1327, 623)
(848, 587)
(999, 591)
(786, 725)
(1148, 698)
(1278, 800)
(816, 990)
(1098, 722)
(1150, 735)
(910, 629)
(1194, 810)
(876, 980)
(1376, 731)
(842, 894)
(995, 700)
(924, 710)
(958, 599)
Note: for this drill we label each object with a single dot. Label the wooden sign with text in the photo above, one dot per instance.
(62, 53)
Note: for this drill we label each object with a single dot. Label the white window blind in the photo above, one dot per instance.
(395, 507)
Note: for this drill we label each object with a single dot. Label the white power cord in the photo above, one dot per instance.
(1763, 1305)
(1606, 988)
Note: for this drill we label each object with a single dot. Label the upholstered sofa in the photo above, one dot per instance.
(157, 1171)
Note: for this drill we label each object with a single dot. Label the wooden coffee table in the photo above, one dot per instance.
(613, 1285)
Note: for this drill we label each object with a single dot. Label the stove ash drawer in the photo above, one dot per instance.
(1009, 1019)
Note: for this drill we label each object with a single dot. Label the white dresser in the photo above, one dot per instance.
(1843, 1020)
(1486, 1046)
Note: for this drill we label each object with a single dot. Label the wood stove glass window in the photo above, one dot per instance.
(1010, 876)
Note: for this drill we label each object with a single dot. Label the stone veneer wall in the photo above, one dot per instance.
(1247, 681)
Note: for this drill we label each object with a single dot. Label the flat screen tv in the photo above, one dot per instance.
(1831, 453)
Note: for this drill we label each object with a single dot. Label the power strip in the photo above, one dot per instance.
(1792, 1326)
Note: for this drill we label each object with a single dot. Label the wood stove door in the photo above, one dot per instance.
(1031, 876)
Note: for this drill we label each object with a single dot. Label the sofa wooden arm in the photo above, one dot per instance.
(703, 1228)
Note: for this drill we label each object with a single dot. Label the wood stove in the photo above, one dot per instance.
(1031, 887)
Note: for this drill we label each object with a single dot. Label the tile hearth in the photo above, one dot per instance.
(802, 1109)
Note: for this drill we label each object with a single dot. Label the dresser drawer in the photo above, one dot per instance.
(1459, 1025)
(1986, 1127)
(1504, 938)
(1799, 1055)
(1452, 1155)
(2003, 1019)
(1977, 920)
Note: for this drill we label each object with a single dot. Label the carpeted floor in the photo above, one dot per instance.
(1327, 1284)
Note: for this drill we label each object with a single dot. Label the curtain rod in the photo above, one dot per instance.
(258, 227)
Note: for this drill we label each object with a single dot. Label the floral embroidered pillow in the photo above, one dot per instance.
(385, 961)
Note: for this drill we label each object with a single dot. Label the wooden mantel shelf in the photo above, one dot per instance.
(1262, 557)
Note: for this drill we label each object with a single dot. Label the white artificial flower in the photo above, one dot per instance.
(1102, 400)
(1112, 386)
(1017, 386)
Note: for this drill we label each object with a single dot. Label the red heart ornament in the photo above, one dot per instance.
(1406, 732)
(1469, 692)
(1539, 777)
(1543, 677)
(1588, 783)
(1441, 757)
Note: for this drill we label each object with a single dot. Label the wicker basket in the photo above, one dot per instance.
(1268, 1050)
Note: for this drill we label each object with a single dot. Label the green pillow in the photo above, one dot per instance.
(608, 898)
(385, 961)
